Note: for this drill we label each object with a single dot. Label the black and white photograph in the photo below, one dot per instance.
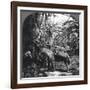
(49, 44)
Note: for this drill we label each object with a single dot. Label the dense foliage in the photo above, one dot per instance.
(47, 36)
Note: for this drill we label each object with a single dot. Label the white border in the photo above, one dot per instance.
(81, 45)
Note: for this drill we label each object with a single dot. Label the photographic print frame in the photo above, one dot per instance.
(19, 15)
